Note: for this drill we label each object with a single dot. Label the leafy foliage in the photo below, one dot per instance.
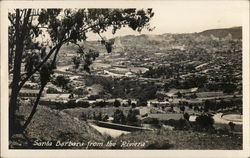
(131, 118)
(61, 81)
(76, 61)
(45, 73)
(204, 121)
(119, 117)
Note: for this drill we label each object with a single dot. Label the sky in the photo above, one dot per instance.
(192, 17)
(181, 17)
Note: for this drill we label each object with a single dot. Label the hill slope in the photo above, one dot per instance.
(236, 32)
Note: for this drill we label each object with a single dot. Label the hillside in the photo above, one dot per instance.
(49, 126)
(172, 41)
(236, 32)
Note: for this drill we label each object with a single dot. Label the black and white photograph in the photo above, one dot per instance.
(156, 76)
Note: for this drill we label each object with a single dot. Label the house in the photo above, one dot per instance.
(156, 103)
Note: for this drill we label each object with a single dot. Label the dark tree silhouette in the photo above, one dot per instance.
(186, 116)
(231, 125)
(117, 103)
(119, 117)
(204, 121)
(62, 81)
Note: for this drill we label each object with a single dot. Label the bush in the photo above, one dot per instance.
(52, 90)
(182, 124)
(94, 97)
(186, 116)
(83, 116)
(131, 117)
(83, 104)
(117, 103)
(204, 121)
(62, 81)
(119, 117)
(80, 91)
(231, 125)
(101, 104)
(142, 102)
(133, 105)
(71, 104)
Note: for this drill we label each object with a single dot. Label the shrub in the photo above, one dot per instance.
(131, 117)
(133, 105)
(101, 104)
(80, 91)
(93, 97)
(186, 116)
(52, 90)
(71, 104)
(117, 103)
(231, 125)
(142, 102)
(83, 116)
(204, 121)
(83, 104)
(182, 124)
(119, 117)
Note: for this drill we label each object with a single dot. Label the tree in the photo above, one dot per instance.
(133, 105)
(63, 26)
(182, 108)
(186, 116)
(204, 121)
(99, 117)
(193, 96)
(83, 116)
(117, 103)
(131, 117)
(196, 108)
(182, 124)
(179, 95)
(231, 125)
(207, 105)
(76, 61)
(94, 116)
(62, 81)
(129, 102)
(142, 102)
(119, 117)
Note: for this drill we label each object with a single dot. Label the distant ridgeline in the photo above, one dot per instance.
(146, 42)
(140, 43)
(236, 32)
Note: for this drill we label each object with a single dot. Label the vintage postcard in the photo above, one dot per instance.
(125, 78)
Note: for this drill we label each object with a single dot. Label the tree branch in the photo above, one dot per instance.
(41, 64)
(37, 68)
(33, 111)
(11, 20)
